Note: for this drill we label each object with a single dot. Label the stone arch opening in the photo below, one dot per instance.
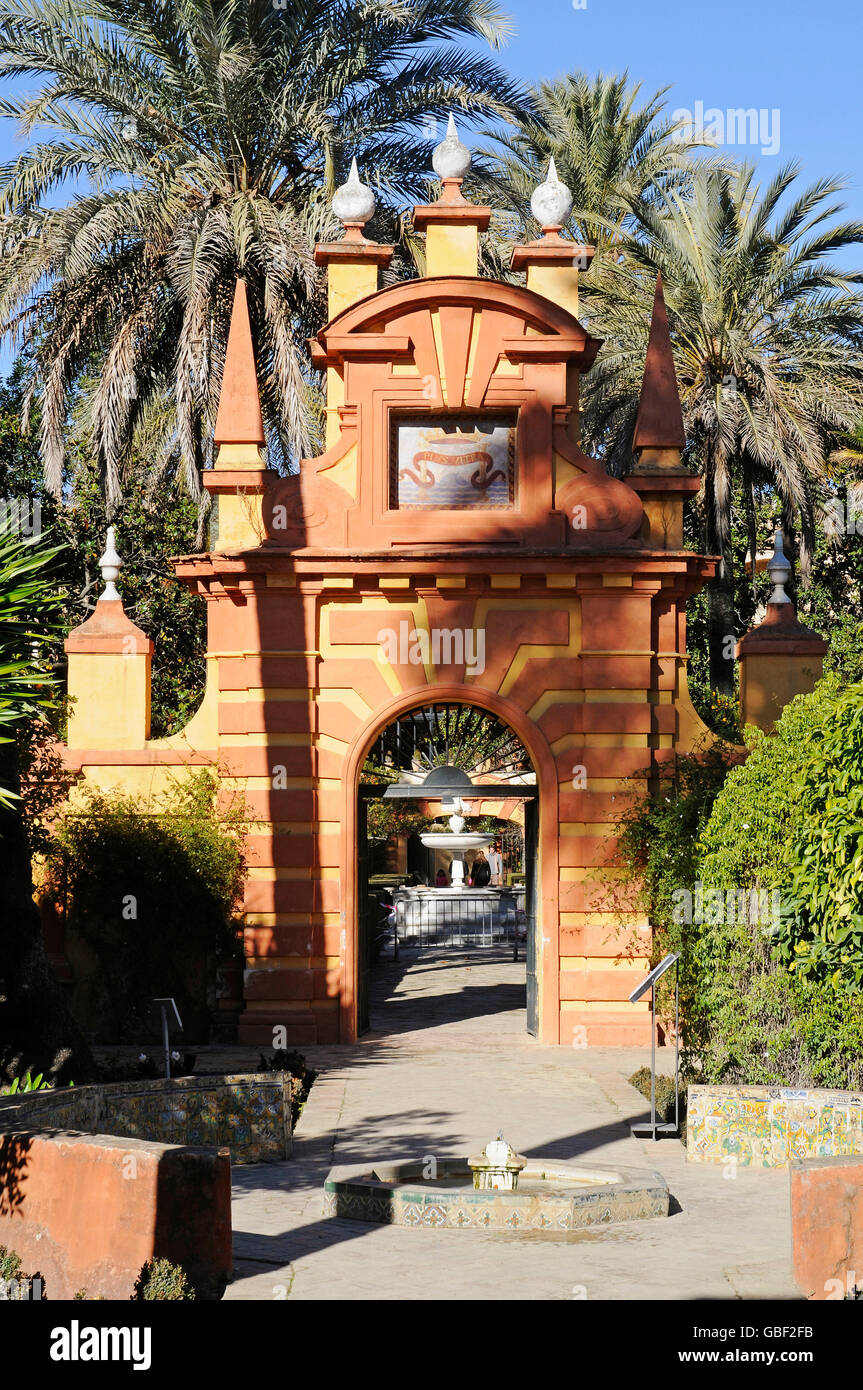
(447, 819)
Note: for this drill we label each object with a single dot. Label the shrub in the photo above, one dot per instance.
(664, 1094)
(821, 936)
(755, 1023)
(658, 850)
(163, 1281)
(745, 839)
(19, 1288)
(151, 893)
(753, 1020)
(302, 1077)
(790, 813)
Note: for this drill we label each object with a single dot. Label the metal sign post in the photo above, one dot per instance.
(664, 1130)
(165, 1005)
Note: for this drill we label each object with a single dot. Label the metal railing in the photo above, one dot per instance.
(425, 918)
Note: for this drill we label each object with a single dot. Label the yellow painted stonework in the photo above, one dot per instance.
(241, 522)
(559, 283)
(768, 683)
(349, 281)
(452, 249)
(240, 456)
(111, 694)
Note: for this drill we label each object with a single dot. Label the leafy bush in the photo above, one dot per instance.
(753, 1020)
(302, 1076)
(745, 840)
(658, 849)
(161, 1280)
(664, 1094)
(821, 936)
(152, 894)
(19, 1288)
(789, 813)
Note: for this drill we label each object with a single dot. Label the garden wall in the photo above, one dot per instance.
(88, 1211)
(770, 1126)
(250, 1115)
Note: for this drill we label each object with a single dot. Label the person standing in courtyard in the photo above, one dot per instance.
(480, 871)
(495, 864)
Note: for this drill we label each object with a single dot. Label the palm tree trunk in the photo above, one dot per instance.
(721, 633)
(720, 593)
(36, 1028)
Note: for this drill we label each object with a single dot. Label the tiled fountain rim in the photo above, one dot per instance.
(603, 1195)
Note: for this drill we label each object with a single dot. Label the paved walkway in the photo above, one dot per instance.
(446, 1065)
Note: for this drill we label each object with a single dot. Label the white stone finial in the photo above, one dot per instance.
(779, 570)
(451, 159)
(354, 202)
(551, 203)
(110, 565)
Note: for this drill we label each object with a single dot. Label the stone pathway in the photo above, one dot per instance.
(447, 1064)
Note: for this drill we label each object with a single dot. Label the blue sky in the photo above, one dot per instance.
(793, 57)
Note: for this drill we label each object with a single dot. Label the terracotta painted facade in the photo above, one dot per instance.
(578, 584)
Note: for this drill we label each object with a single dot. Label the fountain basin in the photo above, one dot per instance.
(447, 839)
(551, 1197)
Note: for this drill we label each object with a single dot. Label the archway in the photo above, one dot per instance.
(447, 820)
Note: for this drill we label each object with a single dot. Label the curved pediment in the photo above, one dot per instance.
(487, 318)
(454, 405)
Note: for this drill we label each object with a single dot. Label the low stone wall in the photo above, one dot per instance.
(88, 1211)
(771, 1126)
(250, 1115)
(827, 1226)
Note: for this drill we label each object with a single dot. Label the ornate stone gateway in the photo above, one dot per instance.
(452, 546)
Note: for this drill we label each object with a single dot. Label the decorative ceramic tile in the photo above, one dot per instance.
(248, 1114)
(769, 1126)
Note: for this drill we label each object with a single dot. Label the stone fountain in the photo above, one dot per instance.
(423, 912)
(497, 1168)
(456, 840)
(496, 1190)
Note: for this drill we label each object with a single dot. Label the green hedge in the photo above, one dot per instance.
(768, 996)
(151, 895)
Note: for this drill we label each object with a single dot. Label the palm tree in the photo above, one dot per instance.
(613, 150)
(768, 344)
(190, 140)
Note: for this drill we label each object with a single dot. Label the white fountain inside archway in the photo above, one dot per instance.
(456, 840)
(456, 914)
